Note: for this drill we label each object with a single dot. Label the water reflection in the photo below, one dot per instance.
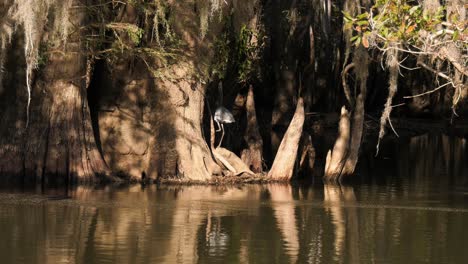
(283, 206)
(438, 161)
(405, 220)
(270, 224)
(340, 202)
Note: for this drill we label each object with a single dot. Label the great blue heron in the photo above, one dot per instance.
(222, 114)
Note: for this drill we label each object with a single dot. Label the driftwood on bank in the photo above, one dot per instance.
(285, 160)
(231, 161)
(252, 156)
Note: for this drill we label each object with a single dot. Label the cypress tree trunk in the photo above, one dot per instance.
(285, 160)
(12, 110)
(181, 151)
(336, 158)
(284, 70)
(253, 155)
(59, 144)
(123, 101)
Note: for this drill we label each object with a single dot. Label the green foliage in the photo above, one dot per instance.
(247, 54)
(148, 37)
(43, 58)
(360, 25)
(238, 54)
(398, 21)
(126, 34)
(434, 36)
(222, 51)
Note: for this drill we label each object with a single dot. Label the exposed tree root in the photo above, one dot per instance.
(232, 162)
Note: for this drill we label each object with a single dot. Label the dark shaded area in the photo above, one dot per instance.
(134, 114)
(96, 87)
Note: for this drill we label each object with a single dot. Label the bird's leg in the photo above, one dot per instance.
(219, 126)
(222, 135)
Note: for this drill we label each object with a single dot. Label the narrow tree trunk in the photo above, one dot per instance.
(284, 46)
(356, 136)
(344, 157)
(342, 161)
(285, 160)
(307, 156)
(336, 158)
(252, 156)
(282, 107)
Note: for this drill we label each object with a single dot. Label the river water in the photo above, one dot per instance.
(409, 205)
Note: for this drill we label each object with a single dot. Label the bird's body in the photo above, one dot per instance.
(223, 116)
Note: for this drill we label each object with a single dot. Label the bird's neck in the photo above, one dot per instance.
(220, 94)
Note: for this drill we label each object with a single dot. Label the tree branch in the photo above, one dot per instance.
(428, 92)
(345, 84)
(427, 67)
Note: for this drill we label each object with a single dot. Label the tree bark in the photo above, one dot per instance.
(153, 126)
(252, 156)
(342, 161)
(284, 66)
(356, 136)
(121, 102)
(285, 160)
(344, 157)
(12, 109)
(124, 113)
(307, 157)
(181, 150)
(59, 142)
(232, 162)
(335, 159)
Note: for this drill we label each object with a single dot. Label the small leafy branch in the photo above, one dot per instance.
(407, 27)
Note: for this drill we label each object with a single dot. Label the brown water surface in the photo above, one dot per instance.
(409, 206)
